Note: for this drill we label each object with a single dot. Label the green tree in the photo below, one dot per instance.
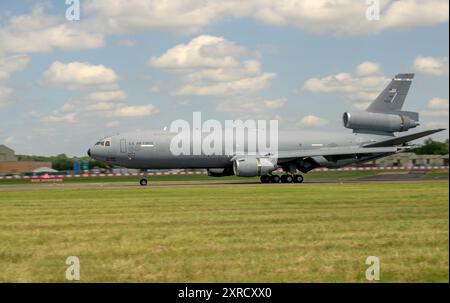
(62, 162)
(431, 147)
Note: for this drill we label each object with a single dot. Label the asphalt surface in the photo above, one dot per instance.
(408, 177)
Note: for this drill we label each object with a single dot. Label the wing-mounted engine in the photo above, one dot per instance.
(253, 166)
(378, 122)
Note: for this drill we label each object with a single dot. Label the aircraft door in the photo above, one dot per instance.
(123, 146)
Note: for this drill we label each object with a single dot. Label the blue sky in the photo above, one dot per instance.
(135, 65)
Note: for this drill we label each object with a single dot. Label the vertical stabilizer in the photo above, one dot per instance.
(391, 99)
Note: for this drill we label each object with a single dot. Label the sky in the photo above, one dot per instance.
(139, 65)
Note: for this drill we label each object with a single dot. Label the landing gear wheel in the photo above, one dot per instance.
(298, 179)
(287, 179)
(265, 179)
(275, 179)
(143, 182)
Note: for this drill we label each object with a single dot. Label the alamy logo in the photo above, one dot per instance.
(73, 271)
(373, 271)
(73, 11)
(211, 138)
(373, 10)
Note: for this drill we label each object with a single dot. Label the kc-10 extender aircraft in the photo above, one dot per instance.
(373, 137)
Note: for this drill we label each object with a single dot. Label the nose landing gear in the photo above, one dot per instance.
(143, 182)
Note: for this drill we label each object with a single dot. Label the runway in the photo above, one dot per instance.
(389, 178)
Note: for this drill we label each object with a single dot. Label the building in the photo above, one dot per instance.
(412, 160)
(7, 154)
(10, 165)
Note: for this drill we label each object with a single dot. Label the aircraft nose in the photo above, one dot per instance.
(89, 152)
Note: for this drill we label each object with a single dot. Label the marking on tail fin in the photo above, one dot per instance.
(392, 98)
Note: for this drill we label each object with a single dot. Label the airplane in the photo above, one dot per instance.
(373, 137)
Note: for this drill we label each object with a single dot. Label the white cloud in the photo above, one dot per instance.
(202, 51)
(6, 96)
(39, 33)
(77, 74)
(8, 65)
(361, 105)
(213, 66)
(10, 140)
(316, 16)
(100, 106)
(243, 85)
(412, 13)
(367, 68)
(113, 124)
(60, 118)
(431, 65)
(114, 95)
(134, 111)
(186, 16)
(438, 104)
(313, 121)
(364, 85)
(274, 104)
(437, 124)
(432, 113)
(436, 107)
(254, 108)
(12, 64)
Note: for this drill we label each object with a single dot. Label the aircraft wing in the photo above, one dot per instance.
(403, 139)
(331, 151)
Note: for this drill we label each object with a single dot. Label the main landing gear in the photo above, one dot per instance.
(282, 179)
(143, 182)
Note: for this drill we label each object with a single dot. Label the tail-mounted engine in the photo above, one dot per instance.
(378, 122)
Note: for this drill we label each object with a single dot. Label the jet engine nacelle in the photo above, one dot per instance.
(252, 167)
(378, 122)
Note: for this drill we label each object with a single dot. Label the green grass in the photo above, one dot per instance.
(273, 233)
(437, 174)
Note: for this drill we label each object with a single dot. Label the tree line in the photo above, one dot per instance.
(62, 161)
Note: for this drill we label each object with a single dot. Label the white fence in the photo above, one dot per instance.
(175, 173)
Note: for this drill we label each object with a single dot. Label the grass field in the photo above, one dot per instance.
(275, 233)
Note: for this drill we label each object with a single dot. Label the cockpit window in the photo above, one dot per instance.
(104, 142)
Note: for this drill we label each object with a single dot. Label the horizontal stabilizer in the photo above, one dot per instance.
(403, 139)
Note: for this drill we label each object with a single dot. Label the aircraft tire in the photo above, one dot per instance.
(143, 182)
(298, 179)
(275, 179)
(287, 179)
(265, 179)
